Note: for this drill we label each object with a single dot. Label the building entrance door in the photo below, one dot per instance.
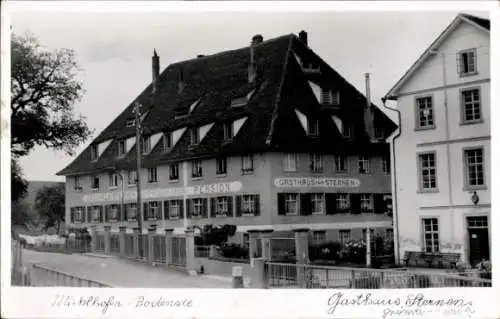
(479, 245)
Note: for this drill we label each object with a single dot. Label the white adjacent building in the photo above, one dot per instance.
(441, 175)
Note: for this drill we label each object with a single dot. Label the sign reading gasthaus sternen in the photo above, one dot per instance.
(216, 188)
(316, 182)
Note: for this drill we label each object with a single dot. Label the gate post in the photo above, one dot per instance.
(121, 239)
(107, 240)
(93, 238)
(253, 234)
(136, 250)
(302, 254)
(265, 236)
(190, 261)
(169, 233)
(258, 277)
(151, 233)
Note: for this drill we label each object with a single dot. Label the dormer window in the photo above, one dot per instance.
(131, 123)
(195, 135)
(121, 147)
(312, 127)
(330, 97)
(379, 133)
(146, 144)
(242, 100)
(167, 142)
(310, 67)
(347, 131)
(181, 112)
(93, 153)
(228, 131)
(194, 105)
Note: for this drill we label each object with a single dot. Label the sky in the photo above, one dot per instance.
(114, 51)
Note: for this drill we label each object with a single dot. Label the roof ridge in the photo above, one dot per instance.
(278, 94)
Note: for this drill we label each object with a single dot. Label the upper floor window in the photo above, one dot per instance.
(78, 185)
(174, 172)
(386, 164)
(93, 153)
(247, 164)
(425, 114)
(152, 175)
(471, 105)
(330, 97)
(122, 147)
(221, 166)
(474, 167)
(195, 135)
(113, 180)
(132, 177)
(290, 162)
(146, 144)
(316, 162)
(167, 142)
(427, 171)
(363, 164)
(228, 131)
(467, 62)
(340, 164)
(196, 169)
(312, 127)
(94, 182)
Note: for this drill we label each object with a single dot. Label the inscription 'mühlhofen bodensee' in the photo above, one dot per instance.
(414, 302)
(105, 303)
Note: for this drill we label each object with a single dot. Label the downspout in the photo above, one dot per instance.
(394, 183)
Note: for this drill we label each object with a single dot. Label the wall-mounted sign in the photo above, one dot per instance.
(317, 182)
(216, 188)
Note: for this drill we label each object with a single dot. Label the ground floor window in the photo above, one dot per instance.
(173, 209)
(318, 203)
(291, 204)
(152, 210)
(113, 212)
(431, 235)
(343, 203)
(96, 214)
(247, 205)
(222, 206)
(198, 207)
(344, 236)
(366, 203)
(319, 237)
(131, 211)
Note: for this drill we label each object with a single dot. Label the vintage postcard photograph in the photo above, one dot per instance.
(248, 159)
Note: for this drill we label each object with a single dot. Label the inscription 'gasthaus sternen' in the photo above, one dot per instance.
(317, 182)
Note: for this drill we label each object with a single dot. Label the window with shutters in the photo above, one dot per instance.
(228, 131)
(427, 171)
(471, 106)
(248, 205)
(77, 186)
(340, 163)
(467, 64)
(79, 216)
(96, 214)
(316, 162)
(221, 166)
(197, 208)
(386, 164)
(425, 113)
(173, 172)
(131, 211)
(167, 142)
(113, 212)
(152, 210)
(317, 204)
(318, 237)
(152, 175)
(291, 204)
(431, 235)
(247, 164)
(94, 182)
(93, 153)
(290, 162)
(222, 206)
(122, 148)
(344, 236)
(196, 169)
(366, 203)
(343, 203)
(174, 209)
(113, 180)
(312, 127)
(132, 177)
(474, 168)
(363, 164)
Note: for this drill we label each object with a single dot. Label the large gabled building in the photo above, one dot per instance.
(268, 136)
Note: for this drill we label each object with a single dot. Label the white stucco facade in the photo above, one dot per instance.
(450, 201)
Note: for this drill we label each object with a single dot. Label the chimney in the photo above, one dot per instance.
(252, 68)
(303, 37)
(257, 39)
(156, 69)
(368, 114)
(200, 56)
(180, 81)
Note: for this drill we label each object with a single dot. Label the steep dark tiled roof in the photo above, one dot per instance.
(271, 125)
(485, 23)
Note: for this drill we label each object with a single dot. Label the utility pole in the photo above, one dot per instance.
(138, 173)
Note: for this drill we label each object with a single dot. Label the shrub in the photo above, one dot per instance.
(354, 251)
(233, 251)
(484, 269)
(326, 251)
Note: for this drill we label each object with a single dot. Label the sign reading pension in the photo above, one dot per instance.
(316, 182)
(164, 192)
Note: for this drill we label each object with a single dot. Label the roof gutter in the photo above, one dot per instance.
(392, 139)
